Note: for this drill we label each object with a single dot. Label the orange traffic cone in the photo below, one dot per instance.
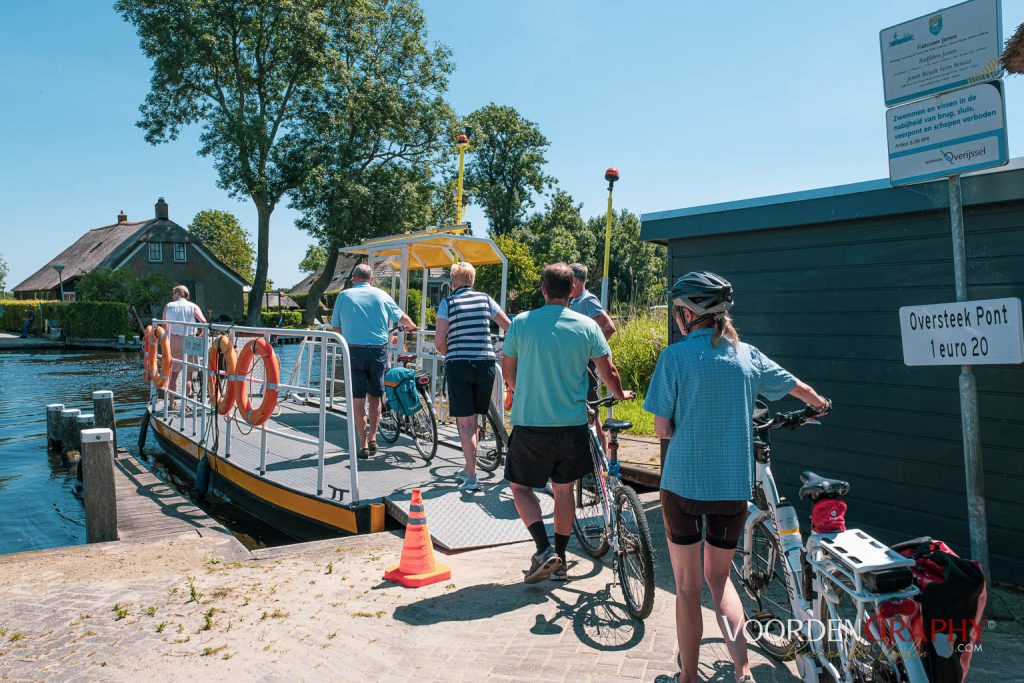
(417, 567)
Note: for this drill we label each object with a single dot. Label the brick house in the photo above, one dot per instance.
(158, 244)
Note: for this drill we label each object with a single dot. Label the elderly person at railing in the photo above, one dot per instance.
(363, 313)
(464, 337)
(182, 310)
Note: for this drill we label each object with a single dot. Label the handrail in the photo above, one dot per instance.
(322, 342)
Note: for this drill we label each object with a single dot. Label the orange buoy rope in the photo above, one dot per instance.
(225, 348)
(238, 384)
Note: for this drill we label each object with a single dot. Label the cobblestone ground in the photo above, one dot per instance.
(188, 607)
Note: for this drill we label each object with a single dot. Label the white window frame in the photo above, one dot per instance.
(184, 252)
(159, 250)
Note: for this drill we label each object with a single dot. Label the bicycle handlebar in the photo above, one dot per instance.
(794, 418)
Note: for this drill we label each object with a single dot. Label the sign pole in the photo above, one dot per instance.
(973, 469)
(611, 175)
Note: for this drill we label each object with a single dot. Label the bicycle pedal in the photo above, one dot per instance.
(762, 617)
(593, 531)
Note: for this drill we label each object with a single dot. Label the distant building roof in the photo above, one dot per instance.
(346, 262)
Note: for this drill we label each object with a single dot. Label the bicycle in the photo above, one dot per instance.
(609, 515)
(421, 427)
(828, 602)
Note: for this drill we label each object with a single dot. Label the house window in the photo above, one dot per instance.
(179, 252)
(156, 252)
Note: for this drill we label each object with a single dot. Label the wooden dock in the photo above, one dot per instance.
(149, 509)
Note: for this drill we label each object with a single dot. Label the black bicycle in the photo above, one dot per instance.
(421, 427)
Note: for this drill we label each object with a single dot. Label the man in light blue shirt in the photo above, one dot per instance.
(545, 360)
(363, 314)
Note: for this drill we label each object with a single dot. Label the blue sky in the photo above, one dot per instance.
(695, 103)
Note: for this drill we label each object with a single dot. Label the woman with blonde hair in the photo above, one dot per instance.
(702, 395)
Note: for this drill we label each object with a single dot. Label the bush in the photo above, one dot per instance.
(299, 299)
(269, 318)
(145, 292)
(13, 318)
(635, 349)
(329, 298)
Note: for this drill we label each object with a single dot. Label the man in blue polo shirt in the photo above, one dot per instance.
(363, 314)
(546, 352)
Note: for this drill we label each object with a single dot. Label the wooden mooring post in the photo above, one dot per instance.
(53, 425)
(69, 429)
(98, 484)
(103, 409)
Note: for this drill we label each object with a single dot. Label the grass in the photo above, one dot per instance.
(208, 619)
(120, 611)
(210, 651)
(643, 421)
(161, 626)
(193, 592)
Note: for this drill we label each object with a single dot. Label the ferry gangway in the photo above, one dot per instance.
(319, 354)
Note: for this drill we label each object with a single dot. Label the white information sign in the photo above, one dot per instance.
(192, 346)
(987, 332)
(941, 51)
(957, 132)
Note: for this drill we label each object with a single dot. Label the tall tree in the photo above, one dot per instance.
(314, 260)
(222, 234)
(505, 168)
(3, 274)
(559, 233)
(238, 69)
(636, 271)
(377, 133)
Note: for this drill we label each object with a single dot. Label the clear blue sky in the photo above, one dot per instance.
(695, 103)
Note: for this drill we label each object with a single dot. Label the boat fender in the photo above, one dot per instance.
(143, 429)
(160, 375)
(203, 472)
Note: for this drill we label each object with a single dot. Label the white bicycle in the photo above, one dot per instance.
(841, 603)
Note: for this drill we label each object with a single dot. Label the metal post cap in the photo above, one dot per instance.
(103, 394)
(611, 175)
(69, 412)
(97, 435)
(462, 139)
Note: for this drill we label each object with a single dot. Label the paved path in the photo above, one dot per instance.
(181, 608)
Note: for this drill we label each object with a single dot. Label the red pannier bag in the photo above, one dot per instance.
(952, 600)
(828, 515)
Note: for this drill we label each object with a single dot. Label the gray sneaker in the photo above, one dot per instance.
(560, 574)
(542, 564)
(470, 484)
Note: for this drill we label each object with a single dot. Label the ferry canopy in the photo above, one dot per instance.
(430, 248)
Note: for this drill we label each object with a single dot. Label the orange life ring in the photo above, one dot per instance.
(149, 354)
(239, 384)
(227, 349)
(162, 340)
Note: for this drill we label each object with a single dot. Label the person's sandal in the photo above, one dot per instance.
(371, 446)
(364, 453)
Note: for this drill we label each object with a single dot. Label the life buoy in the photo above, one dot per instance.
(149, 354)
(160, 339)
(225, 348)
(239, 384)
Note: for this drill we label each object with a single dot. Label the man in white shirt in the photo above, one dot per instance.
(181, 310)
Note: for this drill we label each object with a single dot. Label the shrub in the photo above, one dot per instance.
(13, 317)
(635, 349)
(300, 299)
(152, 289)
(82, 320)
(270, 317)
(329, 298)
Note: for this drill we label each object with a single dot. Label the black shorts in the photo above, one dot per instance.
(470, 383)
(717, 522)
(368, 363)
(592, 382)
(537, 454)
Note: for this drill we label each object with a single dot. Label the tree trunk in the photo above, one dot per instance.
(259, 284)
(319, 285)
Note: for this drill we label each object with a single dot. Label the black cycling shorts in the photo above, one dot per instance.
(537, 454)
(368, 364)
(470, 383)
(717, 522)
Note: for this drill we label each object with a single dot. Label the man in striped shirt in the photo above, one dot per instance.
(464, 337)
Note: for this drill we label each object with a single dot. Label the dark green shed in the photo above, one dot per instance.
(819, 278)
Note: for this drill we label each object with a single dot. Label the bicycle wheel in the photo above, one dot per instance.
(636, 557)
(591, 512)
(488, 455)
(763, 592)
(388, 428)
(423, 426)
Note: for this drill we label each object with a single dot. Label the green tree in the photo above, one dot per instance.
(377, 133)
(636, 272)
(523, 275)
(222, 234)
(314, 260)
(146, 293)
(505, 167)
(239, 69)
(3, 274)
(559, 233)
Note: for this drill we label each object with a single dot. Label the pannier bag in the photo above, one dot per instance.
(829, 515)
(952, 599)
(400, 387)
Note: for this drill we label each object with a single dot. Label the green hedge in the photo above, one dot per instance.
(269, 318)
(300, 299)
(13, 317)
(329, 298)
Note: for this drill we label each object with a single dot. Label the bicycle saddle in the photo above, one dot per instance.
(819, 487)
(617, 425)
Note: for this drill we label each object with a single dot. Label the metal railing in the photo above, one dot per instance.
(315, 384)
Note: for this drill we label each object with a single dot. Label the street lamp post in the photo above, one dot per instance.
(611, 175)
(59, 267)
(462, 145)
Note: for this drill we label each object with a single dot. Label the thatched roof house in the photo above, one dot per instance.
(346, 262)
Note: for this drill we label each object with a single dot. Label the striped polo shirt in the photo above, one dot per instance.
(469, 314)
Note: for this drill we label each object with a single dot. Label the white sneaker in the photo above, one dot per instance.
(470, 484)
(461, 475)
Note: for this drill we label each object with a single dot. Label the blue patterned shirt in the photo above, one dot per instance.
(709, 392)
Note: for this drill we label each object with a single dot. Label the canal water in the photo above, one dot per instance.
(40, 504)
